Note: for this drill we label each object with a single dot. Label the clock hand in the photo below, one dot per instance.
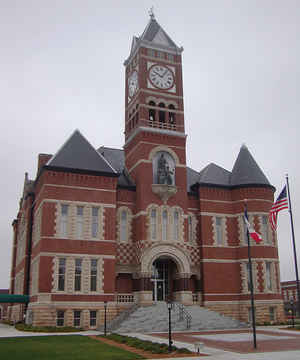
(157, 73)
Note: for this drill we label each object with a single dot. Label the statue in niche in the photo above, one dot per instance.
(164, 173)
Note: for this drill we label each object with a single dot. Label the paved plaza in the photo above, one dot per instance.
(272, 342)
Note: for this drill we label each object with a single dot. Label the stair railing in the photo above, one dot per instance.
(183, 313)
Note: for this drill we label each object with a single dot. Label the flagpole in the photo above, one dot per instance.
(294, 244)
(251, 283)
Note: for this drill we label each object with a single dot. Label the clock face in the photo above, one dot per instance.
(161, 77)
(133, 83)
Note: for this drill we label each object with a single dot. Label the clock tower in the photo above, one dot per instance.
(154, 113)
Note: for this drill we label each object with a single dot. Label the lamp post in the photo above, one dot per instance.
(105, 307)
(170, 335)
(292, 308)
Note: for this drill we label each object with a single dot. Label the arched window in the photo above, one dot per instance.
(176, 225)
(123, 226)
(172, 118)
(153, 224)
(152, 111)
(164, 225)
(162, 114)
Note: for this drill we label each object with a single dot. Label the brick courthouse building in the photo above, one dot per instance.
(139, 225)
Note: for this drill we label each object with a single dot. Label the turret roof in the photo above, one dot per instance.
(78, 154)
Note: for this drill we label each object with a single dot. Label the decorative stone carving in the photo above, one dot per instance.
(163, 191)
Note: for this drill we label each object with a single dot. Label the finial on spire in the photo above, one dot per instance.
(151, 12)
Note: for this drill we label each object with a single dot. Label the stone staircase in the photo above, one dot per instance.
(155, 318)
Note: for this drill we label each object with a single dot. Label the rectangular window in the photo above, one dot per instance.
(79, 222)
(248, 277)
(176, 225)
(268, 276)
(61, 274)
(164, 225)
(95, 222)
(94, 274)
(123, 226)
(64, 220)
(60, 318)
(272, 314)
(93, 317)
(77, 318)
(160, 54)
(219, 232)
(245, 236)
(265, 228)
(78, 271)
(153, 224)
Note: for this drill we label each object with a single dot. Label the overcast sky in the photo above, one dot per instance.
(62, 69)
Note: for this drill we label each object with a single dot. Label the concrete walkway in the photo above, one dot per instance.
(214, 353)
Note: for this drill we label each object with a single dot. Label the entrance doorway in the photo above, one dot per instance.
(163, 271)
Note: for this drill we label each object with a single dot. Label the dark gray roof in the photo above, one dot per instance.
(214, 174)
(246, 171)
(151, 31)
(78, 154)
(117, 160)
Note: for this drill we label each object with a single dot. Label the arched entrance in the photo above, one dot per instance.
(164, 271)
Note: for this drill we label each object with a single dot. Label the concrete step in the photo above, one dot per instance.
(155, 318)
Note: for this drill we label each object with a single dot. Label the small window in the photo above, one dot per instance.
(64, 220)
(160, 55)
(170, 57)
(176, 225)
(219, 230)
(79, 223)
(153, 224)
(61, 274)
(78, 271)
(60, 318)
(93, 317)
(94, 263)
(265, 229)
(172, 119)
(162, 114)
(248, 277)
(95, 222)
(77, 318)
(272, 314)
(123, 226)
(151, 111)
(268, 276)
(164, 225)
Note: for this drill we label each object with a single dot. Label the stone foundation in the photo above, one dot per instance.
(240, 311)
(45, 315)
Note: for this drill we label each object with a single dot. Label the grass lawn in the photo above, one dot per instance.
(70, 347)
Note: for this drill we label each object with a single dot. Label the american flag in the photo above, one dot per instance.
(280, 204)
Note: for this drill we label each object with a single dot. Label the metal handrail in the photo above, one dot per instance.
(184, 313)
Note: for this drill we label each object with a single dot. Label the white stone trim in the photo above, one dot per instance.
(236, 201)
(156, 251)
(34, 286)
(85, 274)
(72, 221)
(244, 276)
